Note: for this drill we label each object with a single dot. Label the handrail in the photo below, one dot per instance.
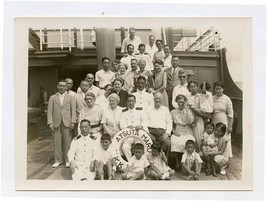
(208, 41)
(79, 38)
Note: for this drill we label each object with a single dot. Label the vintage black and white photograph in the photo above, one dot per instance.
(158, 100)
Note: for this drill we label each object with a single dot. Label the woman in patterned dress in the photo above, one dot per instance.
(182, 118)
(144, 73)
(223, 112)
(160, 81)
(193, 102)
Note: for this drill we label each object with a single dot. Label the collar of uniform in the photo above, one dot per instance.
(141, 91)
(131, 109)
(85, 137)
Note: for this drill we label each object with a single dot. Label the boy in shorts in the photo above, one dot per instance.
(191, 161)
(137, 166)
(107, 161)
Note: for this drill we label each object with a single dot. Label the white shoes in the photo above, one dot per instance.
(55, 165)
(223, 171)
(67, 164)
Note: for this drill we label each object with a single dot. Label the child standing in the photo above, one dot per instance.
(137, 166)
(205, 101)
(209, 144)
(191, 161)
(107, 162)
(158, 164)
(221, 156)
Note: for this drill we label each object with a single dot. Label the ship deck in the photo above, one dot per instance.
(40, 158)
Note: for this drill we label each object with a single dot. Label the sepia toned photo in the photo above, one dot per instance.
(140, 103)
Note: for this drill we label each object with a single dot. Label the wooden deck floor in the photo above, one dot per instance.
(40, 158)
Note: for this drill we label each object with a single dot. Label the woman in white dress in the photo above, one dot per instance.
(102, 100)
(112, 115)
(93, 113)
(182, 118)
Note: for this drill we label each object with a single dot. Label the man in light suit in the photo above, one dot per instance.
(172, 78)
(61, 116)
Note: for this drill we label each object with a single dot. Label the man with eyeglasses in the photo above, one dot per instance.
(90, 78)
(180, 88)
(172, 78)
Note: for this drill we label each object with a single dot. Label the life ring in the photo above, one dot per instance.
(141, 136)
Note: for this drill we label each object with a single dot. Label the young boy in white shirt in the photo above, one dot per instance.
(107, 161)
(137, 166)
(191, 161)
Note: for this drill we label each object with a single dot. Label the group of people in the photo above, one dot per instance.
(187, 124)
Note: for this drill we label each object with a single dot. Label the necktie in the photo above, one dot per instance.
(173, 73)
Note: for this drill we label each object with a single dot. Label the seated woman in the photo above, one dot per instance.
(112, 115)
(182, 118)
(117, 88)
(93, 113)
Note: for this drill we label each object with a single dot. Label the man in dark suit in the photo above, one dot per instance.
(172, 78)
(61, 117)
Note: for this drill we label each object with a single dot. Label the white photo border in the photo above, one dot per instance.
(9, 71)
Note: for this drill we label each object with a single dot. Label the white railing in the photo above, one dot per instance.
(208, 41)
(64, 38)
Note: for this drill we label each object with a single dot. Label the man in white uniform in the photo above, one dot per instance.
(142, 54)
(134, 118)
(84, 154)
(143, 98)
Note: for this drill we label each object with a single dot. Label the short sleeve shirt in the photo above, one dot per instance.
(138, 165)
(104, 77)
(106, 155)
(190, 158)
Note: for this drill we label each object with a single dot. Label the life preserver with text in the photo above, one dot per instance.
(129, 137)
